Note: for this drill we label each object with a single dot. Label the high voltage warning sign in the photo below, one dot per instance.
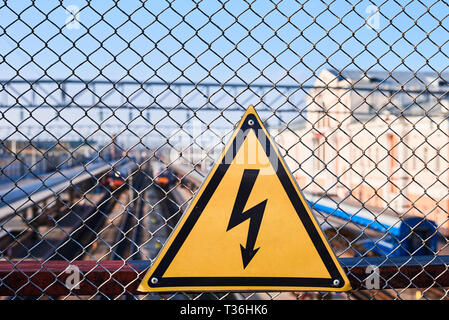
(247, 229)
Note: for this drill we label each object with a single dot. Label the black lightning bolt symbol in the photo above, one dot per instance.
(255, 214)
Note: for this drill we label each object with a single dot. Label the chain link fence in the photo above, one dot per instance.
(112, 113)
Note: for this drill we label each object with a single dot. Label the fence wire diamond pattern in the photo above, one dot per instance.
(112, 113)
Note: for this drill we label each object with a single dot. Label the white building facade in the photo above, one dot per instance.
(361, 141)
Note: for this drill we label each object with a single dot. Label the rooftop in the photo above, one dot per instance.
(407, 79)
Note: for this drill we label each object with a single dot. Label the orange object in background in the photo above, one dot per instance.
(162, 180)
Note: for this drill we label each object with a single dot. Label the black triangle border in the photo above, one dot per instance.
(250, 122)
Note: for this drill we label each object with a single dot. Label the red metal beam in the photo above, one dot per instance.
(33, 278)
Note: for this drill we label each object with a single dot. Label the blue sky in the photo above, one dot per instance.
(187, 40)
(213, 41)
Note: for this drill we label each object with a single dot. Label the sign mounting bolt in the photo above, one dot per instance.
(154, 280)
(251, 122)
(336, 282)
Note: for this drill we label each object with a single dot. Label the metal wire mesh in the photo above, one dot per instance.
(110, 111)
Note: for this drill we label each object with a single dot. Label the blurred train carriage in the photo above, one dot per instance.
(405, 236)
(118, 176)
(163, 176)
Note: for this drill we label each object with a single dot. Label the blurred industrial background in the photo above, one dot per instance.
(112, 113)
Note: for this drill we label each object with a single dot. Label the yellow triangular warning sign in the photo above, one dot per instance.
(247, 229)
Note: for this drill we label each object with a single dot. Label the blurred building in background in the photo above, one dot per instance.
(20, 158)
(379, 139)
